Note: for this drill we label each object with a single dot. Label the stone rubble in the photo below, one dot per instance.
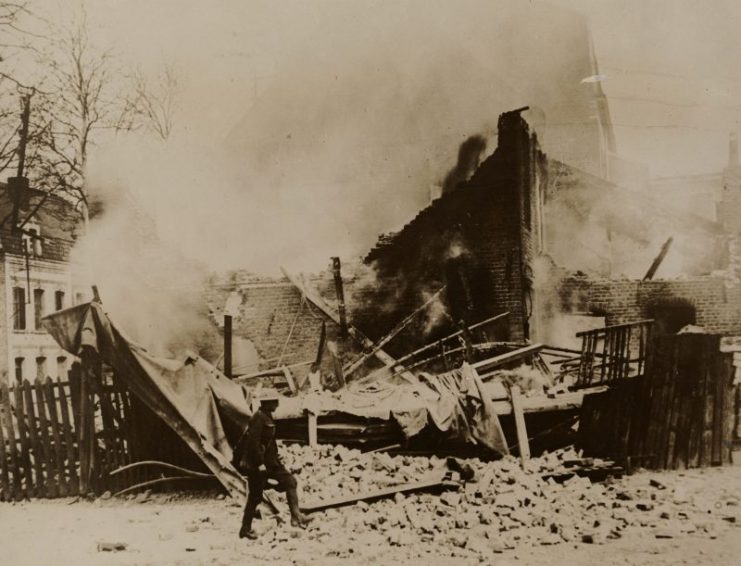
(503, 506)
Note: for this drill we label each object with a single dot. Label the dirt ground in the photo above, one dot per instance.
(177, 529)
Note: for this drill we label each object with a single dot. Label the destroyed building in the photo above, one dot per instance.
(557, 248)
(486, 256)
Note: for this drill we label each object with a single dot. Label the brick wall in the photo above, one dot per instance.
(271, 311)
(716, 301)
(475, 239)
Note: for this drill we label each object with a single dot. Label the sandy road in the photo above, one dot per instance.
(167, 530)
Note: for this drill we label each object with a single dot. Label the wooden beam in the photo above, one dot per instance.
(467, 341)
(522, 441)
(438, 482)
(339, 375)
(320, 347)
(339, 289)
(446, 353)
(503, 359)
(581, 333)
(658, 260)
(350, 368)
(354, 333)
(437, 343)
(312, 427)
(271, 371)
(541, 403)
(228, 346)
(289, 378)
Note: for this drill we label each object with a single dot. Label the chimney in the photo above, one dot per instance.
(18, 192)
(436, 191)
(733, 150)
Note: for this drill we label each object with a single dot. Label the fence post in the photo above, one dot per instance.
(12, 448)
(40, 485)
(86, 426)
(51, 403)
(25, 450)
(48, 453)
(6, 456)
(69, 439)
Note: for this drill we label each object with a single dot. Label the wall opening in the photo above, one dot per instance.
(671, 315)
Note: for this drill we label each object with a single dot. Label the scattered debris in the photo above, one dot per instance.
(499, 505)
(112, 546)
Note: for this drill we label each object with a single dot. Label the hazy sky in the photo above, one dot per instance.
(673, 83)
(672, 66)
(673, 78)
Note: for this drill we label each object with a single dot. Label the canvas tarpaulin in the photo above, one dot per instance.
(188, 395)
(456, 402)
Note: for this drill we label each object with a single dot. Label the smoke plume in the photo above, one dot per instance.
(469, 157)
(325, 153)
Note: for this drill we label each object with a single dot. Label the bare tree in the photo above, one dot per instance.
(83, 99)
(79, 92)
(13, 39)
(154, 102)
(14, 35)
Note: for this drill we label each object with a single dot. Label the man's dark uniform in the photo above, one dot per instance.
(258, 448)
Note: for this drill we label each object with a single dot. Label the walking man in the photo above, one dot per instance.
(257, 455)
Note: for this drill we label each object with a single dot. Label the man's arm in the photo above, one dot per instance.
(253, 445)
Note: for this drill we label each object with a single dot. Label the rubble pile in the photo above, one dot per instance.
(501, 507)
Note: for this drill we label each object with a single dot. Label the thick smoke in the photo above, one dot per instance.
(366, 124)
(469, 157)
(333, 149)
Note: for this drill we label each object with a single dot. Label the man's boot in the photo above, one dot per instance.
(298, 519)
(250, 510)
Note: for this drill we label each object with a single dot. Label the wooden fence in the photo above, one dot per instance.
(44, 424)
(680, 414)
(37, 441)
(612, 353)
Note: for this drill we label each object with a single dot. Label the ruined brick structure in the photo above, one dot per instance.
(708, 302)
(476, 240)
(272, 310)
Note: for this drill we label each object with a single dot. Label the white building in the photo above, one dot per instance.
(36, 278)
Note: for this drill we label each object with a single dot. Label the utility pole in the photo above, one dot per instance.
(18, 185)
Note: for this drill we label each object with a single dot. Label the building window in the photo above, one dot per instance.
(59, 300)
(41, 368)
(61, 367)
(19, 308)
(38, 308)
(19, 369)
(78, 298)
